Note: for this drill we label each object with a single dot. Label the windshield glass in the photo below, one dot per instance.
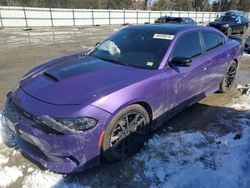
(175, 20)
(134, 48)
(226, 18)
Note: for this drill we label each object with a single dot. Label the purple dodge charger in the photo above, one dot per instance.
(69, 113)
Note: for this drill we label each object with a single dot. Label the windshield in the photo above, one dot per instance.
(134, 48)
(175, 20)
(226, 18)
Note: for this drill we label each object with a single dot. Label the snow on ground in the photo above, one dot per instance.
(9, 175)
(194, 159)
(40, 178)
(170, 160)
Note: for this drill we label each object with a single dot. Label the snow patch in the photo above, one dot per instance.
(30, 169)
(188, 159)
(3, 159)
(44, 179)
(9, 175)
(41, 179)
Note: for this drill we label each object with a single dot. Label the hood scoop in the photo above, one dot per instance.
(50, 76)
(80, 81)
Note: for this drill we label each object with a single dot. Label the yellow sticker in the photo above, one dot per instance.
(149, 63)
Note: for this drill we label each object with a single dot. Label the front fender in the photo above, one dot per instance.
(150, 91)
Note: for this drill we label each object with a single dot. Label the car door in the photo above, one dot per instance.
(218, 56)
(186, 82)
(238, 24)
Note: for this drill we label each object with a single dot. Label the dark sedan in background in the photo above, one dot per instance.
(230, 23)
(175, 20)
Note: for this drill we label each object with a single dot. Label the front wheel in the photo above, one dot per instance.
(229, 78)
(126, 133)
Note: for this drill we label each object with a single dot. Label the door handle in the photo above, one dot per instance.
(209, 63)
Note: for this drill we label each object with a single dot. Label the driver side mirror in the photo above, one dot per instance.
(181, 61)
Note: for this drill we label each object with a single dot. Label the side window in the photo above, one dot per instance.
(238, 19)
(188, 46)
(212, 40)
(221, 40)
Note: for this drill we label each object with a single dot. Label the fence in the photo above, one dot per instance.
(38, 17)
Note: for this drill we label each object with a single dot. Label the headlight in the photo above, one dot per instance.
(67, 125)
(225, 25)
(79, 124)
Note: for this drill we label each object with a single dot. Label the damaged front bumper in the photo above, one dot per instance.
(59, 152)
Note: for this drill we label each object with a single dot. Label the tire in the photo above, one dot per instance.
(244, 30)
(229, 78)
(229, 31)
(119, 141)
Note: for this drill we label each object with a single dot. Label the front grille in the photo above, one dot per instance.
(16, 114)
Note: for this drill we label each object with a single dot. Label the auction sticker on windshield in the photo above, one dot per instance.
(163, 36)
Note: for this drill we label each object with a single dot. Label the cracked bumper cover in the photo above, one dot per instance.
(65, 153)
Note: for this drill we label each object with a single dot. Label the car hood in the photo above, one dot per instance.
(79, 81)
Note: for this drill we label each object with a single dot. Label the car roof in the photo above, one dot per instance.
(174, 17)
(170, 28)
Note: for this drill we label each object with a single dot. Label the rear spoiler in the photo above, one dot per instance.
(238, 39)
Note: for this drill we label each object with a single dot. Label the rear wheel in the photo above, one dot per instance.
(229, 78)
(126, 133)
(229, 31)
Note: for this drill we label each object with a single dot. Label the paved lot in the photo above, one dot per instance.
(22, 50)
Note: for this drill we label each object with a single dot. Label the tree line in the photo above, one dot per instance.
(179, 5)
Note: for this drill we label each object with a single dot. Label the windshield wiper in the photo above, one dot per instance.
(110, 60)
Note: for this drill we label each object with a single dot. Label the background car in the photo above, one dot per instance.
(70, 112)
(175, 20)
(230, 23)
